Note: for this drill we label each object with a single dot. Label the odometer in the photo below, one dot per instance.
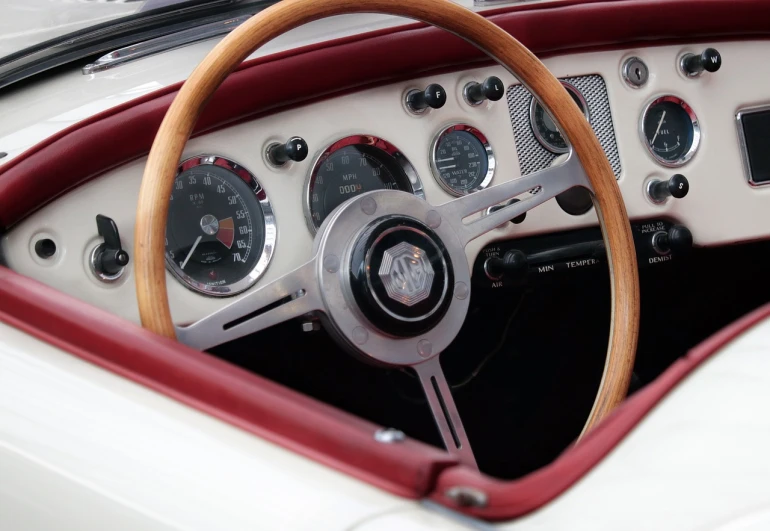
(221, 231)
(353, 166)
(462, 160)
(670, 131)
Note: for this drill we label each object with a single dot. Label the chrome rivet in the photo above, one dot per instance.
(424, 348)
(360, 335)
(368, 206)
(467, 496)
(331, 263)
(433, 219)
(389, 436)
(461, 290)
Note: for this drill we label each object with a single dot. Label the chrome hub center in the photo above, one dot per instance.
(400, 275)
(406, 273)
(209, 224)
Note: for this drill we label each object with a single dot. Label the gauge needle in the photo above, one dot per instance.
(192, 250)
(658, 129)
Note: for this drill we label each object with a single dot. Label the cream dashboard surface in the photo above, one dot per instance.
(721, 207)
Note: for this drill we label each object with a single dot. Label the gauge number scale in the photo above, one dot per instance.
(462, 160)
(670, 131)
(352, 166)
(220, 231)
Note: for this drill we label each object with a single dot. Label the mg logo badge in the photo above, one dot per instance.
(406, 274)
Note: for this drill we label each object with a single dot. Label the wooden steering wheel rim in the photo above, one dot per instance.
(177, 126)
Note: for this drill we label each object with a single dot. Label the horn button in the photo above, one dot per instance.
(400, 275)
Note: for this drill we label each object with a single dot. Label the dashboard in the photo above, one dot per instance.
(248, 198)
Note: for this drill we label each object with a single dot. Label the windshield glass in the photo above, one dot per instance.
(26, 23)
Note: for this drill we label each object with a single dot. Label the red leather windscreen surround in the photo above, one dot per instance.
(271, 411)
(89, 148)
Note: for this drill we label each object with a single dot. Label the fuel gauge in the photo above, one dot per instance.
(670, 131)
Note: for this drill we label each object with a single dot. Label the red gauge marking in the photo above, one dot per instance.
(226, 233)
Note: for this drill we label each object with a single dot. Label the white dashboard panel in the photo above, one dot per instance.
(721, 207)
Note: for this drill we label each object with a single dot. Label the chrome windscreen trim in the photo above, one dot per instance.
(163, 44)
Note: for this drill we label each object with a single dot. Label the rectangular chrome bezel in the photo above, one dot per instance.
(742, 138)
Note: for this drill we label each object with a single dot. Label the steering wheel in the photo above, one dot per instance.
(389, 276)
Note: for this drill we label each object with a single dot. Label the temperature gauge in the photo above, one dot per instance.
(462, 160)
(670, 131)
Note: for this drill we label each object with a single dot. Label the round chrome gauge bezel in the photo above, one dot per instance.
(491, 162)
(538, 135)
(696, 132)
(270, 231)
(370, 140)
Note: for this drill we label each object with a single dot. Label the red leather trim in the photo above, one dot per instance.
(250, 402)
(125, 132)
(509, 499)
(311, 428)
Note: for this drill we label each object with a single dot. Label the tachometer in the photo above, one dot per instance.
(221, 231)
(670, 131)
(545, 129)
(353, 166)
(462, 160)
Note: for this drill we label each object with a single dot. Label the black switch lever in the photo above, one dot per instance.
(677, 187)
(693, 65)
(513, 263)
(434, 96)
(491, 89)
(677, 239)
(109, 257)
(294, 149)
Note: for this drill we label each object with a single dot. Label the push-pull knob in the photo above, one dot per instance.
(693, 65)
(677, 187)
(678, 239)
(434, 96)
(108, 258)
(491, 89)
(294, 149)
(513, 263)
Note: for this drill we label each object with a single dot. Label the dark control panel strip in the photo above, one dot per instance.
(514, 263)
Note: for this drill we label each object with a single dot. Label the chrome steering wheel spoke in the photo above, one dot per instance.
(287, 297)
(542, 185)
(444, 410)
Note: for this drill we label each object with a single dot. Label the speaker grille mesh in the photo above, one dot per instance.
(532, 155)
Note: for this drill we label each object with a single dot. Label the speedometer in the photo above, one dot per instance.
(353, 166)
(221, 231)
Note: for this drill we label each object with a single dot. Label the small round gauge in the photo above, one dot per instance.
(221, 231)
(670, 131)
(545, 129)
(461, 160)
(353, 166)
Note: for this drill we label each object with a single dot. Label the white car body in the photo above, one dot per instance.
(83, 448)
